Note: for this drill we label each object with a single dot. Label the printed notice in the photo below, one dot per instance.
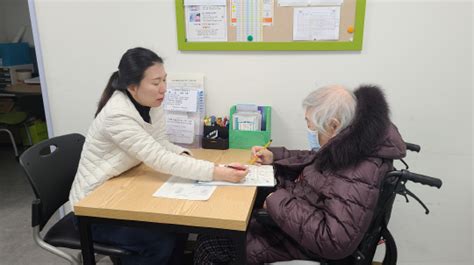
(316, 23)
(267, 12)
(206, 23)
(204, 2)
(250, 21)
(310, 2)
(180, 129)
(181, 100)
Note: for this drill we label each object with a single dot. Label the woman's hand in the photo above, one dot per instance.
(233, 172)
(263, 155)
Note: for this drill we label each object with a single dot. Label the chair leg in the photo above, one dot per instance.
(37, 238)
(27, 131)
(12, 139)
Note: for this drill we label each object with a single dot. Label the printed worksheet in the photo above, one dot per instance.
(261, 176)
(184, 189)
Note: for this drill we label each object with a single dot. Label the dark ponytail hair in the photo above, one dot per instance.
(131, 71)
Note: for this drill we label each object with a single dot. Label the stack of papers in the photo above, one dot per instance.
(187, 189)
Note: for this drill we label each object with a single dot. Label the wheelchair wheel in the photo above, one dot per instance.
(390, 257)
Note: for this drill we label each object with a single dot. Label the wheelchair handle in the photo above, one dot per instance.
(413, 147)
(418, 178)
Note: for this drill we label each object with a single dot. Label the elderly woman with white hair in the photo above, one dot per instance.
(325, 197)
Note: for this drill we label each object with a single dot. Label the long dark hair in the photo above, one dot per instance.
(131, 71)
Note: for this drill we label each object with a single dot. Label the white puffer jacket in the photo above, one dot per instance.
(120, 139)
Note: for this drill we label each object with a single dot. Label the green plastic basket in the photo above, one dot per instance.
(247, 139)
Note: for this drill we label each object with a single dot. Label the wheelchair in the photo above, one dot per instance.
(394, 184)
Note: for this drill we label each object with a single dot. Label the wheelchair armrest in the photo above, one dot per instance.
(262, 216)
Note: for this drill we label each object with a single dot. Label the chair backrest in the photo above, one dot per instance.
(51, 166)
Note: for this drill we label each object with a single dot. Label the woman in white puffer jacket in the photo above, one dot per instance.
(128, 129)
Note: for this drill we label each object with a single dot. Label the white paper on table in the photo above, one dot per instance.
(184, 189)
(261, 176)
(206, 23)
(316, 23)
(179, 128)
(310, 2)
(205, 2)
(181, 100)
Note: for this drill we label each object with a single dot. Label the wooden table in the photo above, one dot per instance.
(128, 200)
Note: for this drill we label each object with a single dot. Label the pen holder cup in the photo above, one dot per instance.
(215, 137)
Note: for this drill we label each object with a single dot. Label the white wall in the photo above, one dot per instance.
(13, 15)
(420, 52)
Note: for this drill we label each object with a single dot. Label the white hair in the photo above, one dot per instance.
(330, 102)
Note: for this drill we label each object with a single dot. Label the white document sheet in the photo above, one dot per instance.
(261, 176)
(181, 100)
(179, 128)
(316, 23)
(267, 16)
(184, 189)
(205, 2)
(189, 82)
(250, 20)
(206, 23)
(310, 2)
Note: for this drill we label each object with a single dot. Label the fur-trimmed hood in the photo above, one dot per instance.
(371, 134)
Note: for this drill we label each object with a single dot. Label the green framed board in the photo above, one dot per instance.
(280, 34)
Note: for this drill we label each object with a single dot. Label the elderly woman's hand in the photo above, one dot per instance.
(265, 202)
(262, 155)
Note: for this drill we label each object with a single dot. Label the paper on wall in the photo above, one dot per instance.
(184, 189)
(205, 2)
(316, 23)
(181, 100)
(250, 21)
(310, 2)
(180, 129)
(267, 16)
(190, 82)
(206, 23)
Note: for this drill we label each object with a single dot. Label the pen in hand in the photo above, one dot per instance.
(236, 168)
(254, 158)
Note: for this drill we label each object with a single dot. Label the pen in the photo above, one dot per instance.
(236, 168)
(254, 158)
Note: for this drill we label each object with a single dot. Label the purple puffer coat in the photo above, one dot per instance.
(325, 200)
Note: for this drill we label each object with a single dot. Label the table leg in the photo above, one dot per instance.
(240, 242)
(87, 245)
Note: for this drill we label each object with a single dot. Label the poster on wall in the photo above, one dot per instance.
(206, 23)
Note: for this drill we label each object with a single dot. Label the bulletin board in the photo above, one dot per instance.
(280, 34)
